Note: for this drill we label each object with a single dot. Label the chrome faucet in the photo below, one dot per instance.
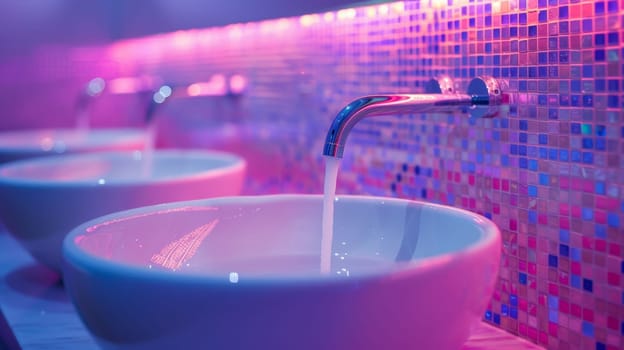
(483, 97)
(117, 86)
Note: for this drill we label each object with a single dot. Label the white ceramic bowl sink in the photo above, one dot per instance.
(243, 273)
(22, 144)
(42, 199)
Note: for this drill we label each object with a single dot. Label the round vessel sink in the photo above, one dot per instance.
(243, 273)
(42, 199)
(22, 144)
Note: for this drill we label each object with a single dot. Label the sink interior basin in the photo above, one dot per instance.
(42, 199)
(244, 272)
(22, 144)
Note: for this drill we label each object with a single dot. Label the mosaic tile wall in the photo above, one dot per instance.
(550, 172)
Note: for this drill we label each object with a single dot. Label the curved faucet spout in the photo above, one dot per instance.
(378, 105)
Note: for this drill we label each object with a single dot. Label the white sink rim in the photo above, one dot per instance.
(74, 255)
(9, 172)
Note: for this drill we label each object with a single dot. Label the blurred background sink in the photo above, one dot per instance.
(20, 144)
(42, 199)
(243, 272)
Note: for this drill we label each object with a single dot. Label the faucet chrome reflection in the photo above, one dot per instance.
(484, 94)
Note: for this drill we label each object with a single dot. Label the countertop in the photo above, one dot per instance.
(36, 313)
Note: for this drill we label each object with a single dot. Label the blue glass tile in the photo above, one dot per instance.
(505, 160)
(600, 187)
(513, 31)
(563, 155)
(612, 6)
(532, 31)
(588, 329)
(532, 217)
(600, 85)
(601, 144)
(553, 113)
(522, 86)
(588, 285)
(488, 315)
(613, 85)
(522, 278)
(613, 38)
(575, 155)
(496, 319)
(553, 154)
(600, 39)
(553, 261)
(523, 18)
(588, 100)
(523, 124)
(553, 316)
(513, 313)
(575, 254)
(575, 100)
(575, 281)
(522, 150)
(564, 236)
(599, 55)
(587, 26)
(564, 250)
(564, 57)
(575, 85)
(532, 165)
(532, 191)
(588, 158)
(544, 179)
(613, 101)
(522, 163)
(542, 3)
(601, 231)
(613, 220)
(588, 214)
(522, 137)
(504, 309)
(599, 8)
(588, 143)
(543, 153)
(588, 71)
(600, 346)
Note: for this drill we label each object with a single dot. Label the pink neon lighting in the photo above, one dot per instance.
(130, 85)
(217, 86)
(238, 84)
